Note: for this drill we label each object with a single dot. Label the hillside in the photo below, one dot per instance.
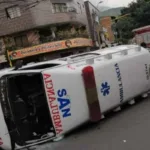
(112, 12)
(103, 8)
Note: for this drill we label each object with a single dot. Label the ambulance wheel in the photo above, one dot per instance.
(57, 139)
(145, 95)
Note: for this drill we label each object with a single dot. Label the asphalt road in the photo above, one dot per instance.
(128, 129)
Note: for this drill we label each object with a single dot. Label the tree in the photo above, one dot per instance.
(139, 16)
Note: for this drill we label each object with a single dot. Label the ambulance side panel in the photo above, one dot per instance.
(5, 142)
(119, 80)
(107, 86)
(67, 104)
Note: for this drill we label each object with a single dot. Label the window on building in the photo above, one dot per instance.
(59, 7)
(13, 12)
(21, 41)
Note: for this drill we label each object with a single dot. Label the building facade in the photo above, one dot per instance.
(93, 26)
(142, 35)
(106, 23)
(28, 23)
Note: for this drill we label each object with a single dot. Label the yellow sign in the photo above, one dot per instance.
(49, 47)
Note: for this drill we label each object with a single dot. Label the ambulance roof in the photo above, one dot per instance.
(115, 49)
(38, 67)
(101, 51)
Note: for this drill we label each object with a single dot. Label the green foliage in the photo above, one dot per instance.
(139, 16)
(6, 56)
(67, 34)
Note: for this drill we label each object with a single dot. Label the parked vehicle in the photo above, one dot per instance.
(44, 101)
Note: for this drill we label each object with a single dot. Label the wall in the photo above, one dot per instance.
(93, 22)
(81, 13)
(106, 23)
(46, 15)
(9, 26)
(38, 15)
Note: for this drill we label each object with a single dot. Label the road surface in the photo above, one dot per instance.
(126, 130)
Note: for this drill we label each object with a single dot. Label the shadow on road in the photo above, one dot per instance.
(87, 127)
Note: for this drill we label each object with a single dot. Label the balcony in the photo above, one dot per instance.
(55, 16)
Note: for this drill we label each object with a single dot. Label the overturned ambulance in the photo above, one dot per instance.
(44, 101)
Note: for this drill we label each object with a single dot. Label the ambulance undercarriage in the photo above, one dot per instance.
(25, 108)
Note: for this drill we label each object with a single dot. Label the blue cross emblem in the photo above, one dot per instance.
(105, 89)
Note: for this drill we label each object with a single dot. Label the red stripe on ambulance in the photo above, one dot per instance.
(1, 142)
(53, 103)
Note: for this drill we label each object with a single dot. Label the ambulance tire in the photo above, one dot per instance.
(145, 95)
(58, 138)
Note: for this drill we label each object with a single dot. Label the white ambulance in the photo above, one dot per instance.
(44, 101)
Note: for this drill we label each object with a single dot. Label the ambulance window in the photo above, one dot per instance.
(44, 66)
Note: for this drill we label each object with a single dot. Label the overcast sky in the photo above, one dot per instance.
(112, 3)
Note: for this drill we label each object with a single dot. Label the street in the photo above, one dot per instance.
(125, 130)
